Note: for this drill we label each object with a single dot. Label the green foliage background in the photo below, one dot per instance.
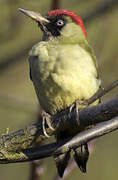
(18, 102)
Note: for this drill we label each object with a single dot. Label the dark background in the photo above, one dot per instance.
(18, 102)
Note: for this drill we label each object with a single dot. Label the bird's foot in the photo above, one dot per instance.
(46, 121)
(75, 108)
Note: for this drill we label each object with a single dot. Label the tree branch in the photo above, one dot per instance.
(13, 147)
(48, 150)
(81, 138)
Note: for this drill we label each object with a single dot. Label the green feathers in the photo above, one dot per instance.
(62, 73)
(63, 69)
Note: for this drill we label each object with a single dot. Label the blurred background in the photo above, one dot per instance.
(18, 102)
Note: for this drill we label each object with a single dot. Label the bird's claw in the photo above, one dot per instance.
(75, 109)
(46, 120)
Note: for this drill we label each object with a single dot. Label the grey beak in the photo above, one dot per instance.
(35, 16)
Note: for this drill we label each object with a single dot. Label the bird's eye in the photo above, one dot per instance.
(60, 22)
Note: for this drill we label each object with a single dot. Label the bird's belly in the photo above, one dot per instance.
(59, 92)
(72, 75)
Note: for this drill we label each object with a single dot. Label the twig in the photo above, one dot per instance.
(12, 145)
(101, 93)
(48, 150)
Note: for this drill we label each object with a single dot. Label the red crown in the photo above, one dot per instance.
(71, 14)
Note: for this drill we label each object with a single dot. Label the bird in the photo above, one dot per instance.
(64, 71)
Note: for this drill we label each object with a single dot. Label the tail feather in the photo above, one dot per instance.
(62, 162)
(81, 157)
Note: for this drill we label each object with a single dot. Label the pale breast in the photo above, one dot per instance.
(61, 75)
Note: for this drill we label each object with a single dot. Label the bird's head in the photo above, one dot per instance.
(60, 24)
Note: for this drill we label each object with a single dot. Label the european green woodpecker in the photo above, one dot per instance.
(63, 69)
